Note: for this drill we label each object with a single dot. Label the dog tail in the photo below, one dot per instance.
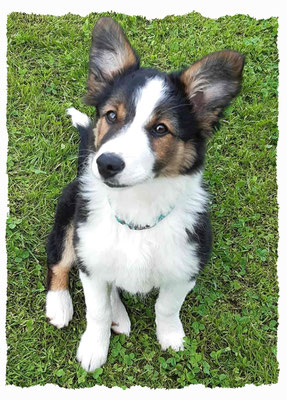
(84, 125)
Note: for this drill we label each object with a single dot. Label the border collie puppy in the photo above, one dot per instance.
(136, 217)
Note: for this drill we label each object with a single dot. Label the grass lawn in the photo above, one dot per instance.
(230, 318)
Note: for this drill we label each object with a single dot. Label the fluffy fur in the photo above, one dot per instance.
(136, 217)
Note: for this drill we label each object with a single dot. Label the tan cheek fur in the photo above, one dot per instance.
(60, 271)
(174, 154)
(100, 130)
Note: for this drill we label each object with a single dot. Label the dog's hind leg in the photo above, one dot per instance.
(60, 249)
(61, 257)
(120, 319)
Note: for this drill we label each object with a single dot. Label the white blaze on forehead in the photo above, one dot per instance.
(147, 99)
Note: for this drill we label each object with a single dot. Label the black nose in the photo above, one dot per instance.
(109, 164)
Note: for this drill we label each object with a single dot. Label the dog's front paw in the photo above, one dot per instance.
(170, 335)
(171, 339)
(92, 353)
(59, 307)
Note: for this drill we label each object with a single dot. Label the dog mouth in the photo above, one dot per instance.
(114, 184)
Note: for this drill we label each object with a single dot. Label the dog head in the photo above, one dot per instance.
(149, 123)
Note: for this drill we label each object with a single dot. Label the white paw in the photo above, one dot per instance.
(59, 307)
(121, 322)
(92, 353)
(170, 334)
(171, 339)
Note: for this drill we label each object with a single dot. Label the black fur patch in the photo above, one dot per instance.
(81, 215)
(202, 236)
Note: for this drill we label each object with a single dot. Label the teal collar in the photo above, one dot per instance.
(140, 227)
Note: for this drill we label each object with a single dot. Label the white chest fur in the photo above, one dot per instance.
(138, 260)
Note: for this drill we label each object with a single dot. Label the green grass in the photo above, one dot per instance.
(230, 318)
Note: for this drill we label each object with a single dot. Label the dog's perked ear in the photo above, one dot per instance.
(111, 54)
(211, 83)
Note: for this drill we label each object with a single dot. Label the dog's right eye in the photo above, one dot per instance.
(111, 116)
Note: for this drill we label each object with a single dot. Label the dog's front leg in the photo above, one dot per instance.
(169, 328)
(94, 344)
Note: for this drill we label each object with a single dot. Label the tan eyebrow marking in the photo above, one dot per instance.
(121, 112)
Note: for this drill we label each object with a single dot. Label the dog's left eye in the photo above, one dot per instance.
(111, 116)
(160, 130)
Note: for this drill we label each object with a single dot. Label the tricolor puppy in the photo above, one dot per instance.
(136, 217)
